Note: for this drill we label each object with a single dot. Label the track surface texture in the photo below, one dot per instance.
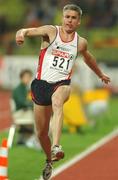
(102, 164)
(5, 114)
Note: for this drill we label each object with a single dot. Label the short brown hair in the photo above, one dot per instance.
(25, 71)
(73, 7)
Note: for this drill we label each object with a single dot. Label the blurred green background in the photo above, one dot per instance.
(100, 26)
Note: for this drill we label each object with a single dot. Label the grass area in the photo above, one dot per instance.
(27, 163)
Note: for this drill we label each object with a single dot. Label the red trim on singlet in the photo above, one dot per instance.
(41, 58)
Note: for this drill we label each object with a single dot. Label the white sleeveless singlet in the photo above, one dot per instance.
(56, 61)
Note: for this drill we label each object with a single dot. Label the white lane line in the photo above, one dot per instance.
(85, 153)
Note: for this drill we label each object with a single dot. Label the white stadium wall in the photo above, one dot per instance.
(11, 66)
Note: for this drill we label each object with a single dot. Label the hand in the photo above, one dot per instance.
(20, 37)
(105, 79)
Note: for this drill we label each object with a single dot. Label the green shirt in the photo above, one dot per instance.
(20, 96)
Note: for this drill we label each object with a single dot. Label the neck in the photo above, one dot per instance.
(65, 35)
(67, 32)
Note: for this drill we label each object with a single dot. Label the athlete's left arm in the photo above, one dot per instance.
(90, 60)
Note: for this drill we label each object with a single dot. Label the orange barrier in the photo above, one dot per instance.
(3, 160)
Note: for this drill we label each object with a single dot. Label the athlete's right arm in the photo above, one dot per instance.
(39, 31)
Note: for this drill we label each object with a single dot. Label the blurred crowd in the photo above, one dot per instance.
(102, 13)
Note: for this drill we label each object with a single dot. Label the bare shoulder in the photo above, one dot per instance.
(51, 33)
(49, 29)
(82, 45)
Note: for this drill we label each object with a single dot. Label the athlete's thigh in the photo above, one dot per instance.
(42, 116)
(61, 94)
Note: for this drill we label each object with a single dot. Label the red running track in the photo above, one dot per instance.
(102, 164)
(5, 115)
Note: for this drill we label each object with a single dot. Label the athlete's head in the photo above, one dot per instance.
(73, 7)
(71, 17)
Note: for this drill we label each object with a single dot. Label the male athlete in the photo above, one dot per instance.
(51, 88)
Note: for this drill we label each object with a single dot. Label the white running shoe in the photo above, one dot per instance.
(47, 171)
(57, 153)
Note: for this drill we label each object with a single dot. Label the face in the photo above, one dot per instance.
(26, 79)
(71, 20)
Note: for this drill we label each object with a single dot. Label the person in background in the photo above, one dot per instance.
(23, 114)
(51, 87)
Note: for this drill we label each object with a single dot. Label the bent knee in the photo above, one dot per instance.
(56, 103)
